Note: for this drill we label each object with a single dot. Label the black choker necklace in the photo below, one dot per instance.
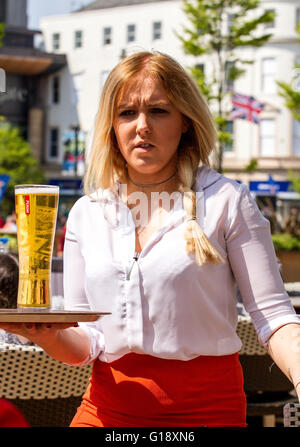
(152, 184)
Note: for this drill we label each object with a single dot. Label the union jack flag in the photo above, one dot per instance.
(246, 108)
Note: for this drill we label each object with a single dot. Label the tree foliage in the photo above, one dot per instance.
(295, 181)
(289, 92)
(218, 28)
(17, 161)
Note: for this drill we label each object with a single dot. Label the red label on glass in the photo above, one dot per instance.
(27, 205)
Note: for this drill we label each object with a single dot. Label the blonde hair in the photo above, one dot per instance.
(106, 164)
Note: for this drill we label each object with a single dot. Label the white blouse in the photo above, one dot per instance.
(163, 304)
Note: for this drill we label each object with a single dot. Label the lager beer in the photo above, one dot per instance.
(36, 211)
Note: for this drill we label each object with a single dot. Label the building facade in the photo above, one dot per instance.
(95, 38)
(25, 71)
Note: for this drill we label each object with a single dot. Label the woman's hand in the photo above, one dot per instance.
(42, 334)
(65, 342)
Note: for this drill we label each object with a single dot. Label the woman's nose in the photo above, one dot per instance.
(143, 126)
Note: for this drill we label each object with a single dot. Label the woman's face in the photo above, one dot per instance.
(148, 128)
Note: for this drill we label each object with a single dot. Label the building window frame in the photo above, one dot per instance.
(157, 30)
(230, 20)
(228, 147)
(296, 138)
(131, 33)
(78, 39)
(107, 35)
(267, 137)
(3, 8)
(270, 25)
(268, 75)
(53, 148)
(229, 82)
(55, 89)
(56, 41)
(297, 16)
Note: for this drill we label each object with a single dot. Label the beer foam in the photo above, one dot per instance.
(36, 189)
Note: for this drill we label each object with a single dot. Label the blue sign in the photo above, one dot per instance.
(68, 186)
(4, 179)
(270, 186)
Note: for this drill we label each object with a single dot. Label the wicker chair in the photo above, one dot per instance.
(266, 387)
(48, 392)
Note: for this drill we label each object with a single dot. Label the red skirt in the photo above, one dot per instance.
(145, 391)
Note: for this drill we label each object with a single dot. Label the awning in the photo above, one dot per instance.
(24, 65)
(30, 61)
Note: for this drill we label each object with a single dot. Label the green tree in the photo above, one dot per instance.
(289, 92)
(295, 180)
(218, 28)
(17, 161)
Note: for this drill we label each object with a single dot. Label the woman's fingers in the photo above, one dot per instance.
(28, 329)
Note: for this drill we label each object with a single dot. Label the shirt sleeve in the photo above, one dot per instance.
(75, 297)
(253, 261)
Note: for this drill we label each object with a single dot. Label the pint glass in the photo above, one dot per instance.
(36, 212)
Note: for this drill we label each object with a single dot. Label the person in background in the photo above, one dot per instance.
(10, 415)
(10, 223)
(292, 222)
(9, 276)
(160, 240)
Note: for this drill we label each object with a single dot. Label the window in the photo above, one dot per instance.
(268, 75)
(199, 70)
(157, 31)
(228, 147)
(53, 143)
(55, 90)
(230, 19)
(56, 41)
(107, 36)
(78, 39)
(229, 66)
(200, 67)
(270, 24)
(297, 16)
(296, 138)
(77, 87)
(130, 33)
(2, 11)
(267, 137)
(2, 81)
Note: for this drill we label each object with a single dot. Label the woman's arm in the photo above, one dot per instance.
(284, 348)
(61, 341)
(253, 262)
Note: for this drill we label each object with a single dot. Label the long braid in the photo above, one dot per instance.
(197, 242)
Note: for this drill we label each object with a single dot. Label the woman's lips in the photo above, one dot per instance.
(144, 148)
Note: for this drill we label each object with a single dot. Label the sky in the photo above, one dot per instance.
(41, 8)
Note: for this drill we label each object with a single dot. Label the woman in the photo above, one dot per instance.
(159, 241)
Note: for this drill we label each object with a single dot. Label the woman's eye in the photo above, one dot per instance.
(127, 112)
(158, 110)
